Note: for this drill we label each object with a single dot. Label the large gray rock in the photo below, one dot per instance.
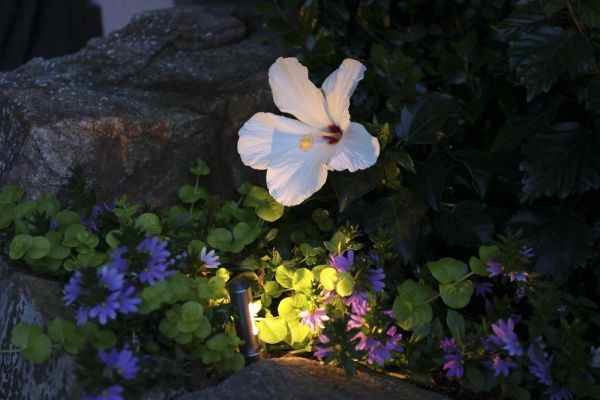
(26, 298)
(135, 108)
(294, 378)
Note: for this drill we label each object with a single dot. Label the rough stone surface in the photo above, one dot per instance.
(135, 108)
(30, 299)
(298, 378)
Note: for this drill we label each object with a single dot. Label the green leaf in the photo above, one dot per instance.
(21, 334)
(10, 194)
(302, 279)
(456, 324)
(321, 217)
(67, 217)
(284, 276)
(192, 311)
(40, 248)
(561, 162)
(542, 57)
(290, 307)
(298, 332)
(345, 284)
(410, 306)
(478, 267)
(265, 206)
(457, 295)
(200, 168)
(189, 194)
(38, 349)
(328, 278)
(487, 253)
(220, 239)
(19, 246)
(66, 334)
(273, 289)
(149, 223)
(244, 234)
(272, 330)
(447, 269)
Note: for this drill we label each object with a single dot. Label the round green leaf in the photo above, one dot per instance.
(272, 330)
(149, 223)
(302, 279)
(291, 307)
(189, 194)
(40, 247)
(328, 278)
(284, 276)
(265, 206)
(411, 308)
(66, 217)
(38, 349)
(447, 270)
(478, 267)
(487, 253)
(220, 239)
(19, 246)
(345, 284)
(457, 295)
(192, 311)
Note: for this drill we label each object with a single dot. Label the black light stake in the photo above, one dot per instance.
(241, 297)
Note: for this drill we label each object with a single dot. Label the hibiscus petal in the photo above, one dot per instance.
(295, 94)
(295, 174)
(338, 88)
(256, 137)
(356, 150)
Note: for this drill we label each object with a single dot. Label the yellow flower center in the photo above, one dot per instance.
(306, 142)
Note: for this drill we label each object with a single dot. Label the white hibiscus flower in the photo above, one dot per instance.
(298, 153)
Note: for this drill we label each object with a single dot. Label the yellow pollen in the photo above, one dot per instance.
(306, 142)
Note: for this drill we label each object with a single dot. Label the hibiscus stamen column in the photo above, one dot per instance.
(241, 297)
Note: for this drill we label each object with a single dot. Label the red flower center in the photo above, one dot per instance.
(337, 131)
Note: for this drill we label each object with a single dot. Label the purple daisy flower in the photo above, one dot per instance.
(314, 319)
(209, 258)
(358, 302)
(453, 365)
(560, 393)
(501, 366)
(158, 264)
(362, 341)
(111, 278)
(342, 262)
(82, 315)
(393, 340)
(518, 276)
(377, 279)
(72, 289)
(97, 212)
(117, 260)
(482, 289)
(540, 364)
(128, 301)
(114, 392)
(506, 337)
(448, 345)
(124, 362)
(494, 268)
(377, 352)
(106, 310)
(355, 322)
(527, 252)
(453, 359)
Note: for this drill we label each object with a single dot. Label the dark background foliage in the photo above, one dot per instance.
(489, 116)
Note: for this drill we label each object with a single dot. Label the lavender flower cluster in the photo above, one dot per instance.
(378, 348)
(122, 363)
(112, 290)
